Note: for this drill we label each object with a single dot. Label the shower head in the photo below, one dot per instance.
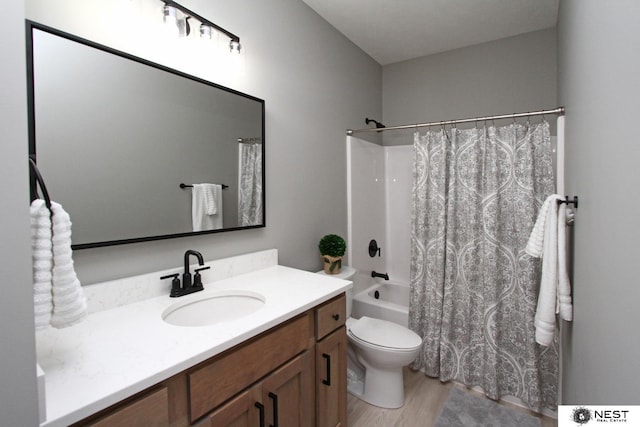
(378, 124)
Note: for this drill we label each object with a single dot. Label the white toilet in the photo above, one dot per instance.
(378, 350)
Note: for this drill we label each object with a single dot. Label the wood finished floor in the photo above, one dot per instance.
(424, 399)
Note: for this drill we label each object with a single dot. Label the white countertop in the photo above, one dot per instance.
(116, 353)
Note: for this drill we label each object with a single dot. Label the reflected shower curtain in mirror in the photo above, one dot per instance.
(250, 184)
(476, 194)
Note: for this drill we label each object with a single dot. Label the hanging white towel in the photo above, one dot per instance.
(206, 198)
(211, 197)
(42, 262)
(565, 303)
(57, 294)
(69, 302)
(548, 240)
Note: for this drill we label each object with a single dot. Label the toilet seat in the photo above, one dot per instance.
(382, 333)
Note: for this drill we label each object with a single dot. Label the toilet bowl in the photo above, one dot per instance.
(377, 351)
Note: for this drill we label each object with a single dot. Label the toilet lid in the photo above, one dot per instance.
(384, 333)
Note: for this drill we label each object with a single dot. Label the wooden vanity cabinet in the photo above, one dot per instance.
(331, 364)
(291, 375)
(281, 399)
(147, 411)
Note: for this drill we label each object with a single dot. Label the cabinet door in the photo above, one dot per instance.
(245, 410)
(288, 394)
(331, 379)
(150, 410)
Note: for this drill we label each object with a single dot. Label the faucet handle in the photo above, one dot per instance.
(175, 284)
(197, 279)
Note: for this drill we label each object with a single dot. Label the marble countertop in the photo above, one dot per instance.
(118, 352)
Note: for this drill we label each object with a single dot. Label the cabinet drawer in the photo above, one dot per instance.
(330, 316)
(151, 410)
(234, 370)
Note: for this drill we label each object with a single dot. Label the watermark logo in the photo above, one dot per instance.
(583, 416)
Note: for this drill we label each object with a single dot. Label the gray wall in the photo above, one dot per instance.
(18, 398)
(515, 74)
(599, 86)
(315, 83)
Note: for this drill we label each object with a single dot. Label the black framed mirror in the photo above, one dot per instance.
(115, 136)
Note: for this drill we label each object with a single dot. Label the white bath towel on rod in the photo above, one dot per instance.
(548, 240)
(206, 207)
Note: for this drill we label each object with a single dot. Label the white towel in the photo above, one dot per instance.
(211, 197)
(42, 262)
(57, 294)
(565, 303)
(206, 207)
(548, 239)
(69, 302)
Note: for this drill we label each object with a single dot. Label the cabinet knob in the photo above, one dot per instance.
(336, 316)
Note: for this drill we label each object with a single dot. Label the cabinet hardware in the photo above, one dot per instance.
(328, 359)
(274, 397)
(260, 407)
(336, 316)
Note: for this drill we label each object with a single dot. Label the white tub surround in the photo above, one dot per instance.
(123, 350)
(392, 303)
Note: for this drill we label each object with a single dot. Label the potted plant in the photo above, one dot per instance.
(332, 249)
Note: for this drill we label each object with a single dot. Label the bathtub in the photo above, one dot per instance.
(383, 299)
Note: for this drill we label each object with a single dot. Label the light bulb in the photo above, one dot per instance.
(234, 45)
(206, 31)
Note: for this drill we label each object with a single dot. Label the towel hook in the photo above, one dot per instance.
(574, 201)
(40, 181)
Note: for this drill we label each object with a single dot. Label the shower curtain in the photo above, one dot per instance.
(476, 194)
(250, 184)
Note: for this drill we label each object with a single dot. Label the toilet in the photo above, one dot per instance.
(378, 350)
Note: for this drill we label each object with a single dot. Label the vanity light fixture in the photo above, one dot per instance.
(171, 18)
(206, 31)
(234, 45)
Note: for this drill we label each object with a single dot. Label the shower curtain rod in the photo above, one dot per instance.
(559, 111)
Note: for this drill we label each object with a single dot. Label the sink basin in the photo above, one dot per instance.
(213, 307)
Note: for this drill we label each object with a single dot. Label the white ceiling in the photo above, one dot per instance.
(395, 30)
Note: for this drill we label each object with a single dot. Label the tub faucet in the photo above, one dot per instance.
(385, 276)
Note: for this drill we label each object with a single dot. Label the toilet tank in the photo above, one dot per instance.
(346, 273)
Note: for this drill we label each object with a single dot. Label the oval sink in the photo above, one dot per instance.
(213, 307)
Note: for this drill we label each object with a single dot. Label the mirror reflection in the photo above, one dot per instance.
(115, 137)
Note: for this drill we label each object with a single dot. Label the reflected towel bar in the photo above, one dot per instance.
(183, 186)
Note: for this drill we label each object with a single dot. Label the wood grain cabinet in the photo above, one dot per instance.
(281, 399)
(293, 375)
(331, 364)
(149, 410)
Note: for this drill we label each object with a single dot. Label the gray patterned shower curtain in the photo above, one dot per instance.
(476, 194)
(250, 184)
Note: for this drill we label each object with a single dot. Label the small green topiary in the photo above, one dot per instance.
(332, 248)
(332, 245)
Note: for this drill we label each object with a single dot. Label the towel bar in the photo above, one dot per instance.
(183, 186)
(574, 202)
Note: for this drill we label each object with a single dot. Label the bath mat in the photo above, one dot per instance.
(466, 410)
